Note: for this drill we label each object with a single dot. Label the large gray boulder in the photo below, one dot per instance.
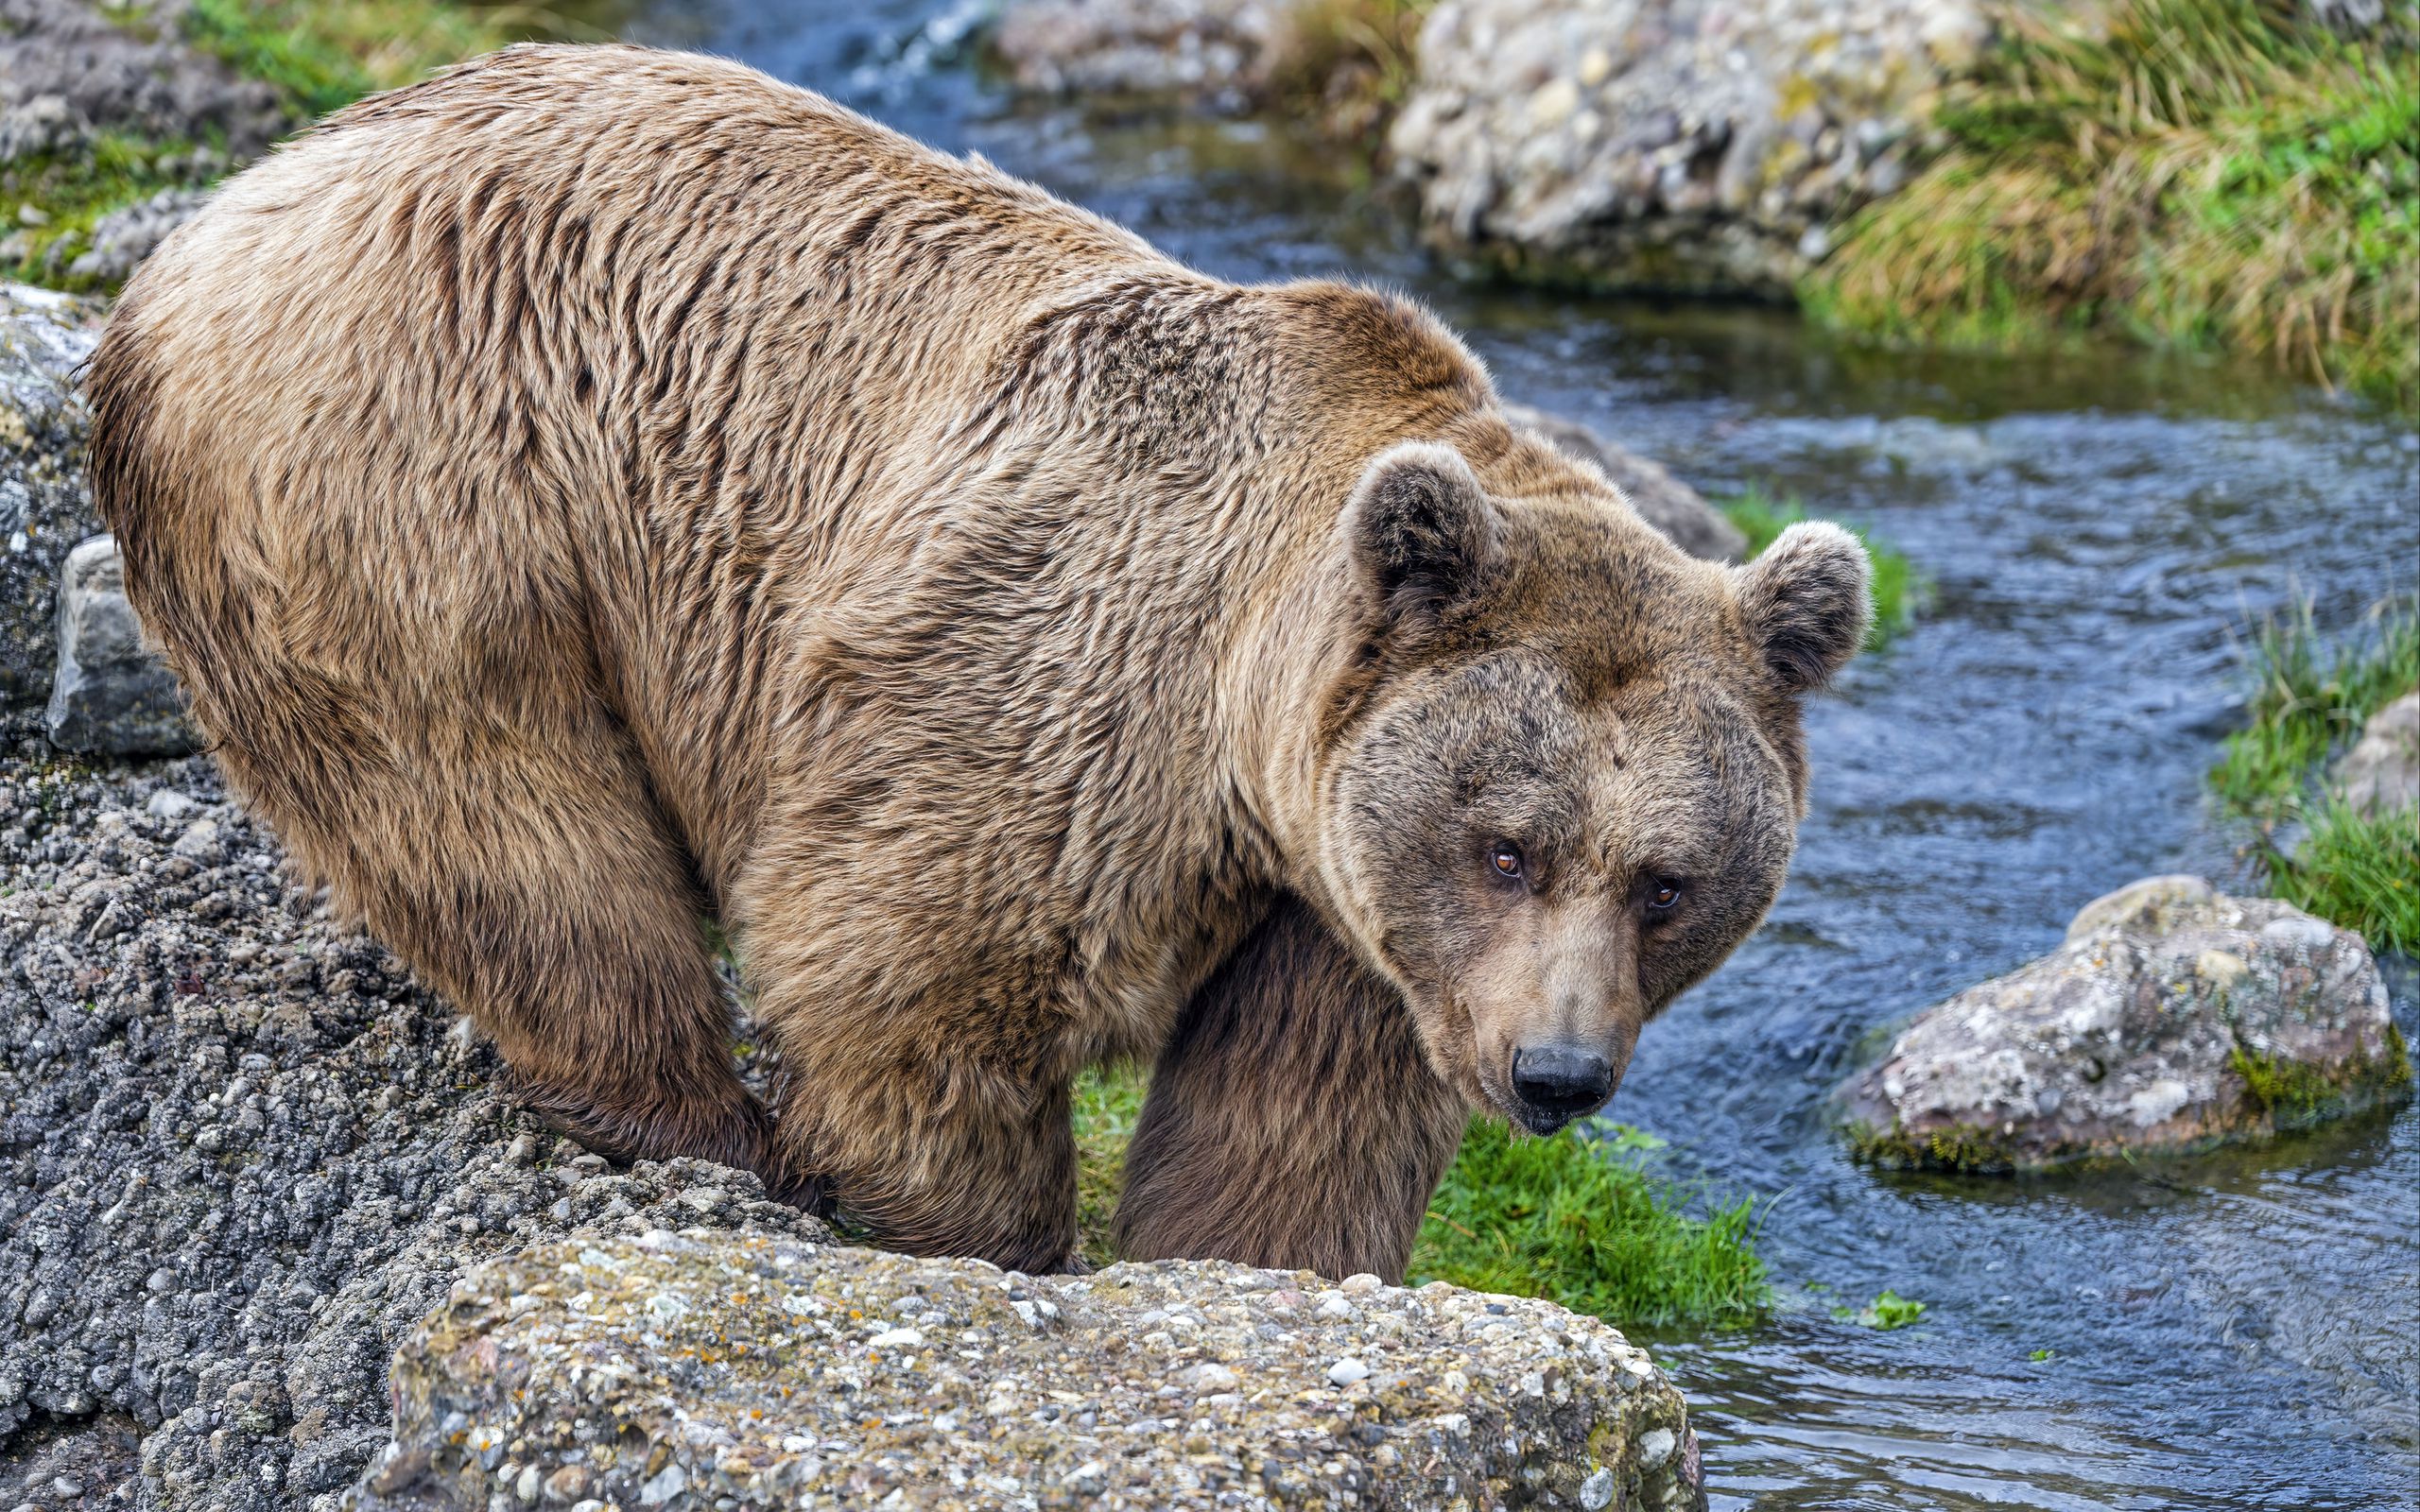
(1661, 499)
(110, 696)
(1682, 145)
(44, 509)
(680, 1372)
(2174, 1018)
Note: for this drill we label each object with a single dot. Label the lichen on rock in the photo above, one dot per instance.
(2174, 1018)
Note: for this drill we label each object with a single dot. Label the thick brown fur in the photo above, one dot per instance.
(597, 491)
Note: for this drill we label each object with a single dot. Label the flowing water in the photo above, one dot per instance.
(2241, 1331)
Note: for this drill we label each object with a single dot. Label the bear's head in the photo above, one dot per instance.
(1566, 775)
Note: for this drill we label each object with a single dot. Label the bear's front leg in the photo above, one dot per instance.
(945, 1155)
(1293, 1120)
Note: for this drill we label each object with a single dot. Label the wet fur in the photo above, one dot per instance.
(598, 491)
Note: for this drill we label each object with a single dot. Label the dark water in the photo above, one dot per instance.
(2237, 1332)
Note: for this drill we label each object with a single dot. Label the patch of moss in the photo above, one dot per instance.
(69, 193)
(1898, 588)
(1963, 1149)
(2297, 1096)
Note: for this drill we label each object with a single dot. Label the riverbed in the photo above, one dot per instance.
(2098, 528)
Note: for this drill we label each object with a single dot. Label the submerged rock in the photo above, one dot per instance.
(2174, 1016)
(2382, 773)
(45, 508)
(1680, 145)
(686, 1373)
(1663, 501)
(112, 696)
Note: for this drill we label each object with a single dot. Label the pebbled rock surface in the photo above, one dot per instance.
(1698, 145)
(44, 509)
(241, 1154)
(2382, 773)
(1663, 501)
(110, 696)
(2174, 1017)
(689, 1372)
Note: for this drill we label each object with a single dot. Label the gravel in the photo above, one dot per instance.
(241, 1153)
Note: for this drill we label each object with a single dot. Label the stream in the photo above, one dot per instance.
(2234, 1332)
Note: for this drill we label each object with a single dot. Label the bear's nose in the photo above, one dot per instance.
(1561, 1081)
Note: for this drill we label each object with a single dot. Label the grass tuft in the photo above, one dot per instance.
(1573, 1219)
(2200, 173)
(1898, 590)
(2308, 704)
(322, 55)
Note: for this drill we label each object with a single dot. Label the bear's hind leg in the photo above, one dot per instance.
(530, 879)
(1293, 1120)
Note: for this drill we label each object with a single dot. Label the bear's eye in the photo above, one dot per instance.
(1663, 896)
(1504, 859)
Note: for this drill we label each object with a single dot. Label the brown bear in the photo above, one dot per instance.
(597, 494)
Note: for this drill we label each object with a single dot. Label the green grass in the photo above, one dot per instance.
(1572, 1219)
(2308, 704)
(2196, 173)
(1898, 590)
(70, 195)
(1576, 1221)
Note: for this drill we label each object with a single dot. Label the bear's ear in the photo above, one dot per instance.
(1423, 531)
(1807, 601)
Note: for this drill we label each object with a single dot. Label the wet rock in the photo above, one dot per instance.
(2382, 773)
(686, 1373)
(2174, 1017)
(1697, 145)
(44, 509)
(1217, 50)
(112, 696)
(241, 1153)
(1663, 501)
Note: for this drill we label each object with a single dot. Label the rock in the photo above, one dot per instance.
(1664, 502)
(2174, 1016)
(71, 71)
(695, 1372)
(1220, 51)
(241, 1149)
(1694, 146)
(43, 507)
(112, 696)
(124, 237)
(2382, 773)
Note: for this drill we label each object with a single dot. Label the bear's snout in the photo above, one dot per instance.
(1558, 1082)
